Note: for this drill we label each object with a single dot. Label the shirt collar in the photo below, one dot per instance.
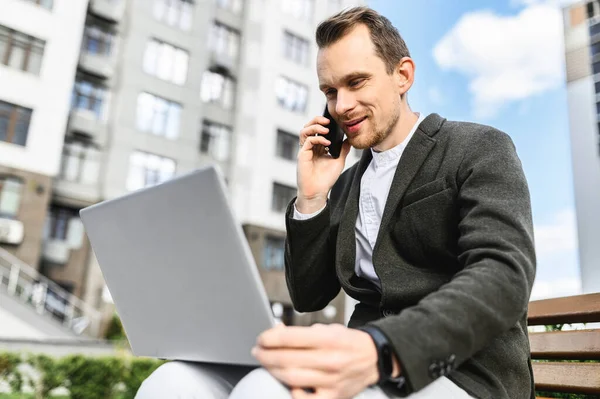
(393, 154)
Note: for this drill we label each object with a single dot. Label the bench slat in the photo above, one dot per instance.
(567, 377)
(574, 309)
(566, 345)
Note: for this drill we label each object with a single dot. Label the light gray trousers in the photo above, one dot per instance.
(184, 380)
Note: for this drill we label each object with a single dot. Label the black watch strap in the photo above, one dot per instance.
(384, 353)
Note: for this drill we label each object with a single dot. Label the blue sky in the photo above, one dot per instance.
(501, 63)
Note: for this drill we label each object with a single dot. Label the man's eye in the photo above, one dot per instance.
(356, 82)
(330, 92)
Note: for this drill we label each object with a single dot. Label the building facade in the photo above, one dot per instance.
(152, 89)
(582, 48)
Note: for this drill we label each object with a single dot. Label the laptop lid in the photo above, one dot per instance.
(180, 270)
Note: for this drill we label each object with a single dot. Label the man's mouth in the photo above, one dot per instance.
(353, 125)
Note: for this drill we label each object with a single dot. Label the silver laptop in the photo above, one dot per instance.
(180, 271)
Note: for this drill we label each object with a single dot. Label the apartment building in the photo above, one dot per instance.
(582, 52)
(163, 87)
(39, 46)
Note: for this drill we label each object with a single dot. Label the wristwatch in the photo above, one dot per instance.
(385, 363)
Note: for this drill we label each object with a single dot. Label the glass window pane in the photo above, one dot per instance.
(172, 13)
(150, 57)
(165, 61)
(35, 62)
(144, 111)
(10, 196)
(17, 55)
(159, 9)
(90, 168)
(174, 116)
(160, 116)
(71, 167)
(185, 22)
(181, 67)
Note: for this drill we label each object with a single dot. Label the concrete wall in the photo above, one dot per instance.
(585, 149)
(49, 94)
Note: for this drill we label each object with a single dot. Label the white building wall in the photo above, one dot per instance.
(259, 116)
(49, 94)
(586, 178)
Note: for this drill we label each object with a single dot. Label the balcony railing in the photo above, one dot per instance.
(47, 298)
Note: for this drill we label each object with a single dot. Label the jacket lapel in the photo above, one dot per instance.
(346, 239)
(414, 155)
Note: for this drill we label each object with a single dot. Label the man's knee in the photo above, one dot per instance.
(259, 384)
(183, 380)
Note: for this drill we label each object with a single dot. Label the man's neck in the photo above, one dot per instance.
(403, 127)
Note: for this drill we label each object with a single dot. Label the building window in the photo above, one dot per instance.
(299, 9)
(215, 140)
(295, 48)
(291, 95)
(10, 196)
(234, 6)
(158, 116)
(219, 88)
(43, 3)
(81, 160)
(593, 9)
(273, 255)
(177, 13)
(20, 51)
(166, 62)
(89, 95)
(147, 170)
(58, 221)
(282, 195)
(14, 123)
(287, 145)
(224, 41)
(98, 38)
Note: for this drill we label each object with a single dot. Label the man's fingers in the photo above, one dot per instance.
(317, 336)
(302, 378)
(318, 120)
(312, 141)
(296, 358)
(312, 130)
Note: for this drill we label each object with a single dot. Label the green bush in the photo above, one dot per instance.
(84, 377)
(115, 330)
(9, 371)
(52, 375)
(90, 377)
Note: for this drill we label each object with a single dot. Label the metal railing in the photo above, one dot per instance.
(47, 298)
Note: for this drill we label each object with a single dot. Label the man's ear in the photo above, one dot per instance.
(404, 75)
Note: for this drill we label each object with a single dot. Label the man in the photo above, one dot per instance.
(430, 231)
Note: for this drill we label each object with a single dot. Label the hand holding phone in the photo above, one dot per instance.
(335, 136)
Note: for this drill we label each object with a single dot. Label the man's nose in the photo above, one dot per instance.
(345, 102)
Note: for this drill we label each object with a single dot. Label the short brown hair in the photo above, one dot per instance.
(389, 45)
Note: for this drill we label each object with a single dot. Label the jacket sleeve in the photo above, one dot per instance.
(496, 249)
(310, 261)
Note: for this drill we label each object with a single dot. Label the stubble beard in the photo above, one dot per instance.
(376, 135)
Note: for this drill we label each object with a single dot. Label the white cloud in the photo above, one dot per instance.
(556, 3)
(505, 58)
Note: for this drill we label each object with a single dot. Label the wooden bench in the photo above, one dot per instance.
(552, 373)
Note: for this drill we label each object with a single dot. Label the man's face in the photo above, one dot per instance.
(361, 96)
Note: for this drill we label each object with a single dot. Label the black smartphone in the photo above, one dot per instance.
(335, 135)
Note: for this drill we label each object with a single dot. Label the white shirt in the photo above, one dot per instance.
(374, 189)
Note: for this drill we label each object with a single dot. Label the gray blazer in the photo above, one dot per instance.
(455, 256)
